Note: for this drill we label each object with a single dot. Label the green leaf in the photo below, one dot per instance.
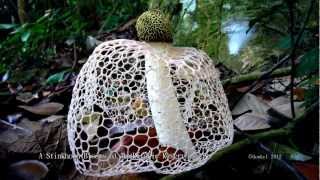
(25, 36)
(56, 78)
(7, 26)
(288, 152)
(309, 63)
(311, 95)
(310, 82)
(20, 29)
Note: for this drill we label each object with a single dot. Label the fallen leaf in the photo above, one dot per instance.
(33, 126)
(280, 84)
(44, 109)
(257, 119)
(26, 97)
(33, 169)
(251, 102)
(279, 101)
(51, 118)
(10, 133)
(249, 122)
(50, 138)
(46, 93)
(13, 118)
(282, 106)
(298, 93)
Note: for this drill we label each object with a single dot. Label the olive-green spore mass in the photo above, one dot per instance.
(154, 26)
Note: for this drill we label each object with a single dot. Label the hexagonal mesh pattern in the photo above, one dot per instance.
(137, 107)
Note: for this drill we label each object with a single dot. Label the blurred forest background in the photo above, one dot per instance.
(266, 50)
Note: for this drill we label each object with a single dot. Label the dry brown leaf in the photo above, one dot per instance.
(50, 138)
(44, 109)
(298, 93)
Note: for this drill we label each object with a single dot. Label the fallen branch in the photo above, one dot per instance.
(256, 75)
(268, 135)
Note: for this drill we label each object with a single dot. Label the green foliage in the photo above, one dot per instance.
(56, 24)
(38, 39)
(203, 28)
(107, 15)
(57, 77)
(309, 63)
(309, 67)
(270, 21)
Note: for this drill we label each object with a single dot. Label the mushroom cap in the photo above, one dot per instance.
(154, 26)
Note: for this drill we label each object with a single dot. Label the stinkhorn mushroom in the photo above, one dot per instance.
(147, 106)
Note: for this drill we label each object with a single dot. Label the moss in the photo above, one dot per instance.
(154, 26)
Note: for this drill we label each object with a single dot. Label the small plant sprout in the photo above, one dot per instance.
(146, 105)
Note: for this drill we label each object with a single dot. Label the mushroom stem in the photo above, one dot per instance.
(166, 115)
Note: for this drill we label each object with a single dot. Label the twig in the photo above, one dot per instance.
(241, 114)
(14, 126)
(295, 45)
(292, 56)
(75, 58)
(256, 75)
